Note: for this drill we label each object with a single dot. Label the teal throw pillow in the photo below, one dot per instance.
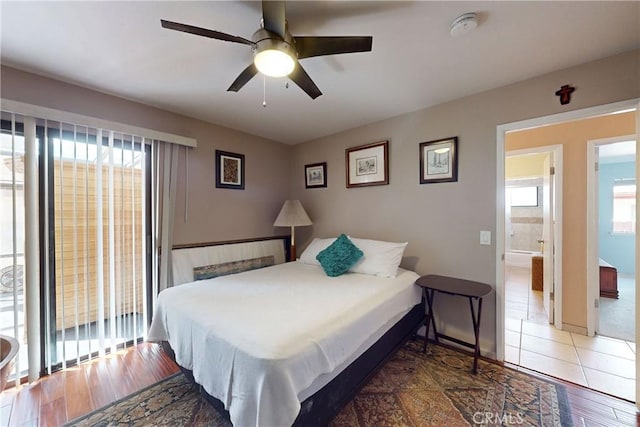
(339, 257)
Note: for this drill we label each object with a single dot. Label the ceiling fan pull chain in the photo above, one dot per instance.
(264, 91)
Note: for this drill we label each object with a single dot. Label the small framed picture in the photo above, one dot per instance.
(439, 161)
(229, 170)
(315, 175)
(368, 164)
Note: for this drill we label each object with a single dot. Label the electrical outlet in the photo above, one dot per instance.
(485, 237)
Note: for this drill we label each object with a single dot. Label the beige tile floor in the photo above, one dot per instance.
(601, 363)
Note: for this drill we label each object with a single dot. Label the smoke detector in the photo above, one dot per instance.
(463, 24)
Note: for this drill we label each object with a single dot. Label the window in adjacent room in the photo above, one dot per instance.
(524, 196)
(624, 207)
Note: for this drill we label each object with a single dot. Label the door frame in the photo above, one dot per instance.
(501, 130)
(637, 319)
(555, 152)
(552, 232)
(593, 275)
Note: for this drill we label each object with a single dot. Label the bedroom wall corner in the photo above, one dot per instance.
(220, 214)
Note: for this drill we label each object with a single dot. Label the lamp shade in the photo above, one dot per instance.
(292, 214)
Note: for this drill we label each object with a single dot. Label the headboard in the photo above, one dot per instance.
(219, 258)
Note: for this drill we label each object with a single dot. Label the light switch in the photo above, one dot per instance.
(485, 237)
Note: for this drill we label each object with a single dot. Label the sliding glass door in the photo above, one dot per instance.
(94, 216)
(98, 221)
(12, 231)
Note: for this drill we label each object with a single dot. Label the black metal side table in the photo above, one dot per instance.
(460, 287)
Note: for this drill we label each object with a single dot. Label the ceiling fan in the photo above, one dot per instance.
(276, 51)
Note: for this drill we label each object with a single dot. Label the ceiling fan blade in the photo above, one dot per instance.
(243, 78)
(273, 16)
(203, 32)
(300, 77)
(318, 46)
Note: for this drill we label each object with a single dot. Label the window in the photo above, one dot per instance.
(524, 196)
(624, 208)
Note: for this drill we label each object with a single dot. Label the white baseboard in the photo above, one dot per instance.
(575, 329)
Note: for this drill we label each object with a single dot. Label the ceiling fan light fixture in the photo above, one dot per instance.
(276, 51)
(274, 63)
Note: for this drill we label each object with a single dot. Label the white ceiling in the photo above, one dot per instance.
(119, 48)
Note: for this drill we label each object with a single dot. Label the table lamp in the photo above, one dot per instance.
(292, 215)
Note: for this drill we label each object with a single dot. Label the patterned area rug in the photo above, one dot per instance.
(412, 389)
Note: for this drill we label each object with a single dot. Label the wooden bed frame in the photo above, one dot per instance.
(321, 407)
(608, 280)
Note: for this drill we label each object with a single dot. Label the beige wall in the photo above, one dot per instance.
(573, 137)
(442, 222)
(524, 166)
(213, 214)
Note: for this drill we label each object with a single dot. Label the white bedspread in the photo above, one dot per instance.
(255, 340)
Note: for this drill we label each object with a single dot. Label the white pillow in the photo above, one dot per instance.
(380, 258)
(313, 249)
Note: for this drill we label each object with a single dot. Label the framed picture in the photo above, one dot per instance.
(439, 161)
(368, 164)
(315, 175)
(229, 170)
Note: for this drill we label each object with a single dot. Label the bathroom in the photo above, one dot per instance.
(523, 220)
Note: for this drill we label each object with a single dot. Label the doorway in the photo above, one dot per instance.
(570, 339)
(532, 208)
(611, 236)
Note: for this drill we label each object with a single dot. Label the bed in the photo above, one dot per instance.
(608, 280)
(286, 344)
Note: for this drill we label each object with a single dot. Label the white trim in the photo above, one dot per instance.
(501, 130)
(637, 319)
(558, 210)
(500, 241)
(556, 150)
(79, 119)
(599, 110)
(593, 278)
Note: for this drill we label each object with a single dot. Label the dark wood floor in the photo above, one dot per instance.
(68, 394)
(65, 395)
(592, 408)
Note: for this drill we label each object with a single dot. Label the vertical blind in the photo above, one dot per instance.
(86, 229)
(12, 231)
(97, 191)
(84, 210)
